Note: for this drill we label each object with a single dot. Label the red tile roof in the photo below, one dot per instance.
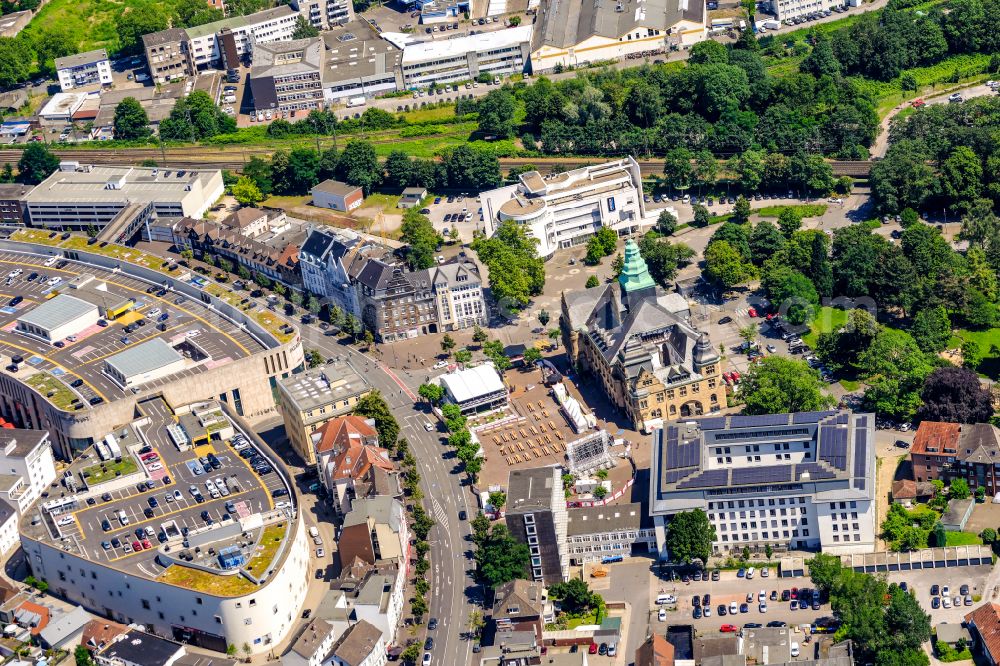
(99, 633)
(933, 437)
(41, 611)
(354, 447)
(656, 651)
(339, 432)
(987, 621)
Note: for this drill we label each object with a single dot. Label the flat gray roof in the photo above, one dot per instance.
(57, 311)
(324, 385)
(92, 184)
(79, 59)
(146, 357)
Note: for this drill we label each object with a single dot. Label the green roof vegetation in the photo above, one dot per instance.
(105, 471)
(78, 242)
(58, 393)
(266, 549)
(270, 321)
(223, 585)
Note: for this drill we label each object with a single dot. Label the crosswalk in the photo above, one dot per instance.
(439, 515)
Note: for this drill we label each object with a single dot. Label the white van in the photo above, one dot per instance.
(122, 518)
(750, 572)
(665, 599)
(313, 532)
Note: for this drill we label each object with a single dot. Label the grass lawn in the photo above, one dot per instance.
(850, 385)
(589, 618)
(803, 210)
(827, 320)
(383, 201)
(92, 22)
(268, 546)
(286, 202)
(986, 340)
(231, 585)
(430, 115)
(962, 539)
(106, 471)
(58, 393)
(79, 242)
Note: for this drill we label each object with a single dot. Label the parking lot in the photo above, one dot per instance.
(181, 493)
(77, 362)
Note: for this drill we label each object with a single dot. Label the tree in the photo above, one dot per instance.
(575, 595)
(479, 336)
(666, 223)
(592, 282)
(931, 329)
(792, 292)
(411, 654)
(778, 384)
(741, 211)
(259, 171)
(421, 238)
(702, 216)
(37, 163)
(131, 122)
(988, 535)
(501, 558)
(595, 252)
(690, 536)
(516, 271)
(304, 29)
(600, 492)
(765, 242)
(962, 177)
(959, 489)
(82, 656)
(789, 221)
(677, 169)
(749, 335)
(246, 192)
(374, 406)
(432, 393)
(132, 24)
(462, 356)
(358, 165)
(496, 114)
(531, 356)
(725, 266)
(498, 499)
(447, 343)
(955, 395)
(476, 623)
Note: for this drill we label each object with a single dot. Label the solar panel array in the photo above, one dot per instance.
(710, 478)
(675, 475)
(833, 446)
(816, 472)
(860, 451)
(859, 484)
(746, 476)
(712, 423)
(844, 418)
(810, 417)
(758, 421)
(862, 421)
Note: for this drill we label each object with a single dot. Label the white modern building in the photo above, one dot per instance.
(578, 32)
(359, 63)
(84, 69)
(596, 532)
(784, 10)
(565, 209)
(57, 318)
(232, 39)
(458, 290)
(9, 536)
(27, 466)
(788, 481)
(79, 197)
(497, 53)
(325, 14)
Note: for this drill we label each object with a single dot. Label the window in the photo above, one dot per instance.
(611, 203)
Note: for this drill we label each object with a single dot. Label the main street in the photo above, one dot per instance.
(444, 497)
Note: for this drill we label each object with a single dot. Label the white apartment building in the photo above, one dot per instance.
(27, 466)
(565, 209)
(324, 14)
(789, 9)
(313, 644)
(324, 261)
(9, 536)
(597, 532)
(497, 53)
(458, 290)
(208, 44)
(83, 69)
(791, 481)
(361, 645)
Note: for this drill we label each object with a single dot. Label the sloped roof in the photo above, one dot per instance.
(100, 632)
(526, 596)
(987, 621)
(933, 437)
(656, 651)
(471, 383)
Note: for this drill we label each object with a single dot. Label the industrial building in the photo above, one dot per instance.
(336, 195)
(83, 69)
(575, 33)
(57, 318)
(565, 209)
(80, 197)
(803, 481)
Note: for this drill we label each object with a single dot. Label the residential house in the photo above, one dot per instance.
(655, 651)
(375, 531)
(254, 222)
(948, 451)
(984, 625)
(27, 466)
(9, 536)
(100, 632)
(330, 259)
(361, 645)
(65, 629)
(350, 462)
(522, 605)
(313, 644)
(92, 68)
(907, 491)
(375, 594)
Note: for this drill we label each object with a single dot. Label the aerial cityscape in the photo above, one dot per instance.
(500, 332)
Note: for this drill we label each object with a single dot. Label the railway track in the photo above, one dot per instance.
(234, 157)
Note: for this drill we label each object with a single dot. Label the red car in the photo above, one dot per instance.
(795, 593)
(150, 456)
(770, 316)
(146, 544)
(752, 312)
(136, 546)
(735, 376)
(917, 103)
(729, 628)
(592, 649)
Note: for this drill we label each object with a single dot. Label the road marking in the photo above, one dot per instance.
(439, 513)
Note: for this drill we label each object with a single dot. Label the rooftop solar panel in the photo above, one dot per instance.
(862, 421)
(833, 446)
(767, 474)
(707, 479)
(712, 423)
(816, 472)
(809, 417)
(859, 484)
(758, 420)
(860, 451)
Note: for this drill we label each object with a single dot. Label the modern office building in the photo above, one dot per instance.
(536, 515)
(308, 400)
(790, 9)
(497, 53)
(287, 76)
(636, 340)
(565, 209)
(578, 32)
(596, 532)
(803, 481)
(84, 69)
(359, 63)
(949, 451)
(167, 55)
(80, 197)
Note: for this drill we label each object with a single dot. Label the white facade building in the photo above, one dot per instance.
(596, 532)
(497, 53)
(271, 25)
(563, 210)
(791, 481)
(84, 69)
(789, 9)
(361, 645)
(324, 261)
(8, 527)
(25, 455)
(458, 290)
(324, 14)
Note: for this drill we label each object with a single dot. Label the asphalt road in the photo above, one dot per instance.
(444, 497)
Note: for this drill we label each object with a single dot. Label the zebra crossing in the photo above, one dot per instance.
(439, 514)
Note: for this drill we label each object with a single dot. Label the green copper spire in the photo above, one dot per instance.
(635, 273)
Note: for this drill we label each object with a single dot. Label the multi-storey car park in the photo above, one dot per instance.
(134, 334)
(185, 524)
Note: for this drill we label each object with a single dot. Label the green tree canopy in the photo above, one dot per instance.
(778, 385)
(131, 122)
(690, 536)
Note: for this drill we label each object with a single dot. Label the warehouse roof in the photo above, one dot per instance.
(57, 312)
(472, 383)
(145, 357)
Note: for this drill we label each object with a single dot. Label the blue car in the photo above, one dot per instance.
(437, 200)
(741, 573)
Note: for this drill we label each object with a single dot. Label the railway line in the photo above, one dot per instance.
(234, 157)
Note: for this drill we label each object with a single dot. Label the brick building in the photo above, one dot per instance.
(948, 451)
